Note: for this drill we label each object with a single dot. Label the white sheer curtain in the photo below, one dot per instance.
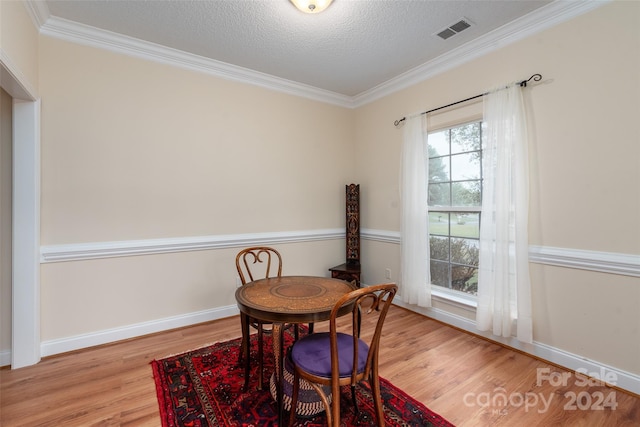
(504, 289)
(414, 286)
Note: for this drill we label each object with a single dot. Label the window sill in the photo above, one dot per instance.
(455, 298)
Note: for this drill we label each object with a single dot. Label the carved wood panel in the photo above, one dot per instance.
(353, 223)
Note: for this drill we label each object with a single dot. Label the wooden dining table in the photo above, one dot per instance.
(287, 299)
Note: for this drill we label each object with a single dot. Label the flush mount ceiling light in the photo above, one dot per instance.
(311, 6)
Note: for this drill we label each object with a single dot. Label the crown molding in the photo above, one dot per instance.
(540, 19)
(90, 36)
(38, 11)
(545, 17)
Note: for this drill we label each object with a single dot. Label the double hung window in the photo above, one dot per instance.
(455, 201)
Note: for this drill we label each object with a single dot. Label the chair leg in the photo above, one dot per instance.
(247, 366)
(333, 416)
(260, 356)
(245, 349)
(355, 401)
(310, 328)
(377, 399)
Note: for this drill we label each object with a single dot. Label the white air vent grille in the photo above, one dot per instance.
(454, 29)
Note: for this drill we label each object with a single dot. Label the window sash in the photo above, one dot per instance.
(447, 180)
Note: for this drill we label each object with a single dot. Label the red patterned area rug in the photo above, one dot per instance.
(204, 388)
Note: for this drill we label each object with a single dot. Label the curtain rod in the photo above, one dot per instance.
(536, 78)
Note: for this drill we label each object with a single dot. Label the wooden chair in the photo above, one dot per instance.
(259, 262)
(336, 358)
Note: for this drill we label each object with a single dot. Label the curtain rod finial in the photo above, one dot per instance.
(397, 122)
(536, 78)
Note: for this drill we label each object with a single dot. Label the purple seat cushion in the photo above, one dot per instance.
(313, 354)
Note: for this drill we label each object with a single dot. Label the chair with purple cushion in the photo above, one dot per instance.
(340, 357)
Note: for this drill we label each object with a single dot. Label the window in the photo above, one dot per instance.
(455, 200)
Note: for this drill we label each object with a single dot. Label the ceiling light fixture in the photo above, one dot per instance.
(311, 6)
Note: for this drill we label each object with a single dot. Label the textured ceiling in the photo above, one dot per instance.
(352, 47)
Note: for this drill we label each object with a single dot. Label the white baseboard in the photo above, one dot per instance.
(49, 348)
(623, 380)
(5, 357)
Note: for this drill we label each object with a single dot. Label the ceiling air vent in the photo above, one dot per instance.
(454, 29)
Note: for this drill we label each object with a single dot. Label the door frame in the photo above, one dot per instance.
(25, 312)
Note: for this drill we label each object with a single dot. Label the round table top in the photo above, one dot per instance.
(291, 299)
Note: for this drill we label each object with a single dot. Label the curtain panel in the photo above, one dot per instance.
(504, 288)
(415, 280)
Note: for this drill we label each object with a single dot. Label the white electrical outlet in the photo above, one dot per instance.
(387, 273)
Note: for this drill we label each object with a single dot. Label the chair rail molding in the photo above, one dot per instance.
(605, 262)
(95, 250)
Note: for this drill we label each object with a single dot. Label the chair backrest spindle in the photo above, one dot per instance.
(366, 302)
(250, 261)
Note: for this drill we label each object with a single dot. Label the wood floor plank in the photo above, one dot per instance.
(456, 374)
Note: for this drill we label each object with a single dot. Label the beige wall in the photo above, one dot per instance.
(132, 149)
(585, 170)
(19, 40)
(86, 297)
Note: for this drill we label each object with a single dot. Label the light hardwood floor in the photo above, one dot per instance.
(458, 375)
